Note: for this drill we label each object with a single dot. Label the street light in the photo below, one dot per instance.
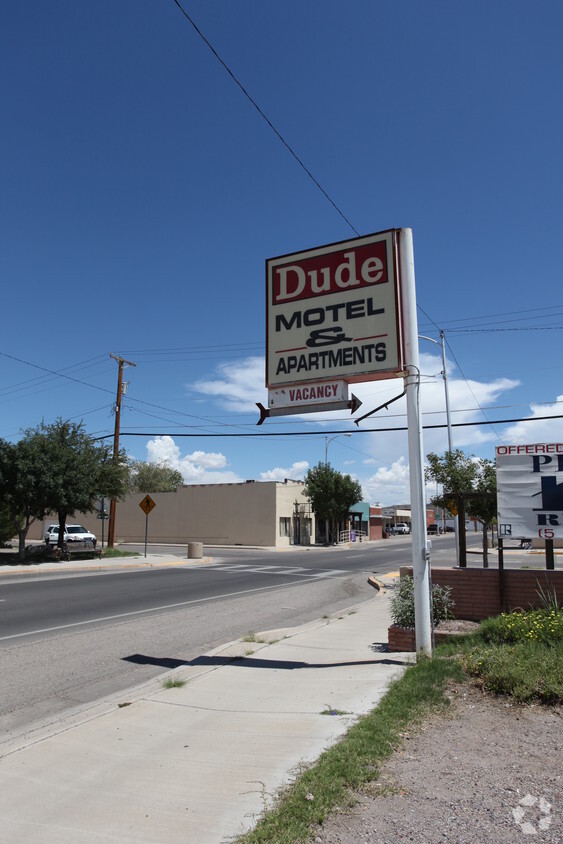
(445, 377)
(327, 441)
(448, 416)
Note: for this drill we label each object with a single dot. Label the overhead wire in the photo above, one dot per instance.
(261, 435)
(264, 117)
(497, 435)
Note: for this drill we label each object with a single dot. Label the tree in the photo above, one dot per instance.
(331, 495)
(8, 525)
(458, 472)
(23, 479)
(70, 471)
(153, 477)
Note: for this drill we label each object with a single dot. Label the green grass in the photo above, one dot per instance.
(356, 760)
(519, 655)
(173, 684)
(526, 671)
(115, 552)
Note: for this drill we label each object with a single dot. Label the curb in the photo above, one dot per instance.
(117, 565)
(377, 584)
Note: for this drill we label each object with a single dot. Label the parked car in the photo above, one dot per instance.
(402, 528)
(73, 533)
(433, 529)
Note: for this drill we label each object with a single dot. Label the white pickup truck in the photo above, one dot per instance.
(402, 528)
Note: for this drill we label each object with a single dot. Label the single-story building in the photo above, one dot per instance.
(261, 513)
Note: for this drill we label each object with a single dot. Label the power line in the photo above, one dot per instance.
(459, 331)
(264, 117)
(257, 435)
(551, 309)
(54, 372)
(471, 391)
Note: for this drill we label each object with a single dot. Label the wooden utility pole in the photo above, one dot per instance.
(121, 363)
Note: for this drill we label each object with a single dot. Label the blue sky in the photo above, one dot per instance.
(142, 193)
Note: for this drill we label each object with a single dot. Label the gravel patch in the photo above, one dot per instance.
(486, 772)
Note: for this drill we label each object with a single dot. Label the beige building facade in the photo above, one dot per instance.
(260, 513)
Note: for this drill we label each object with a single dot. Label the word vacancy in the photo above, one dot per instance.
(332, 313)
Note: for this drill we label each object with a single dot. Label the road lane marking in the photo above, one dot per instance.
(152, 609)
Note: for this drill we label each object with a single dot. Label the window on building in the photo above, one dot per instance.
(285, 526)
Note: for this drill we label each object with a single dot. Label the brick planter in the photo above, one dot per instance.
(481, 593)
(403, 638)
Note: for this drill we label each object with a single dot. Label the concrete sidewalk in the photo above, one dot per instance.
(84, 564)
(198, 764)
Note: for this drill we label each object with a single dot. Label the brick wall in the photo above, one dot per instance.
(402, 639)
(477, 595)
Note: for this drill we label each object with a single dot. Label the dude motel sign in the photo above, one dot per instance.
(341, 314)
(530, 490)
(332, 318)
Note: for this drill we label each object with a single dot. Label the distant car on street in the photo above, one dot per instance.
(73, 533)
(402, 528)
(433, 529)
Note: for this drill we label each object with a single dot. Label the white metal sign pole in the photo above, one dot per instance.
(420, 555)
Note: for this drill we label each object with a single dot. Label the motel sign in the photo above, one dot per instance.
(332, 313)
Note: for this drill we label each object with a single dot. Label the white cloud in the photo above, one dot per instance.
(296, 472)
(200, 467)
(238, 385)
(389, 485)
(546, 431)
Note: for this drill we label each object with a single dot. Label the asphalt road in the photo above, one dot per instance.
(67, 640)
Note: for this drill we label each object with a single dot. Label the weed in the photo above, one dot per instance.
(172, 683)
(251, 637)
(548, 597)
(330, 710)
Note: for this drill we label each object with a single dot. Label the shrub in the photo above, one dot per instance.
(525, 670)
(545, 625)
(402, 603)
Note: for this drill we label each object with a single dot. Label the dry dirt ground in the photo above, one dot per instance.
(486, 772)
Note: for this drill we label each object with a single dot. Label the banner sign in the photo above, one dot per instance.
(332, 312)
(530, 490)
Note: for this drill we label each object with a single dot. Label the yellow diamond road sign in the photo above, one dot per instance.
(147, 504)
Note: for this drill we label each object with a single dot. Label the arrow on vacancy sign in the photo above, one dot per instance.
(352, 404)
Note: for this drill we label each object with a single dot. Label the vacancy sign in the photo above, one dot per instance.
(332, 313)
(308, 394)
(530, 490)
